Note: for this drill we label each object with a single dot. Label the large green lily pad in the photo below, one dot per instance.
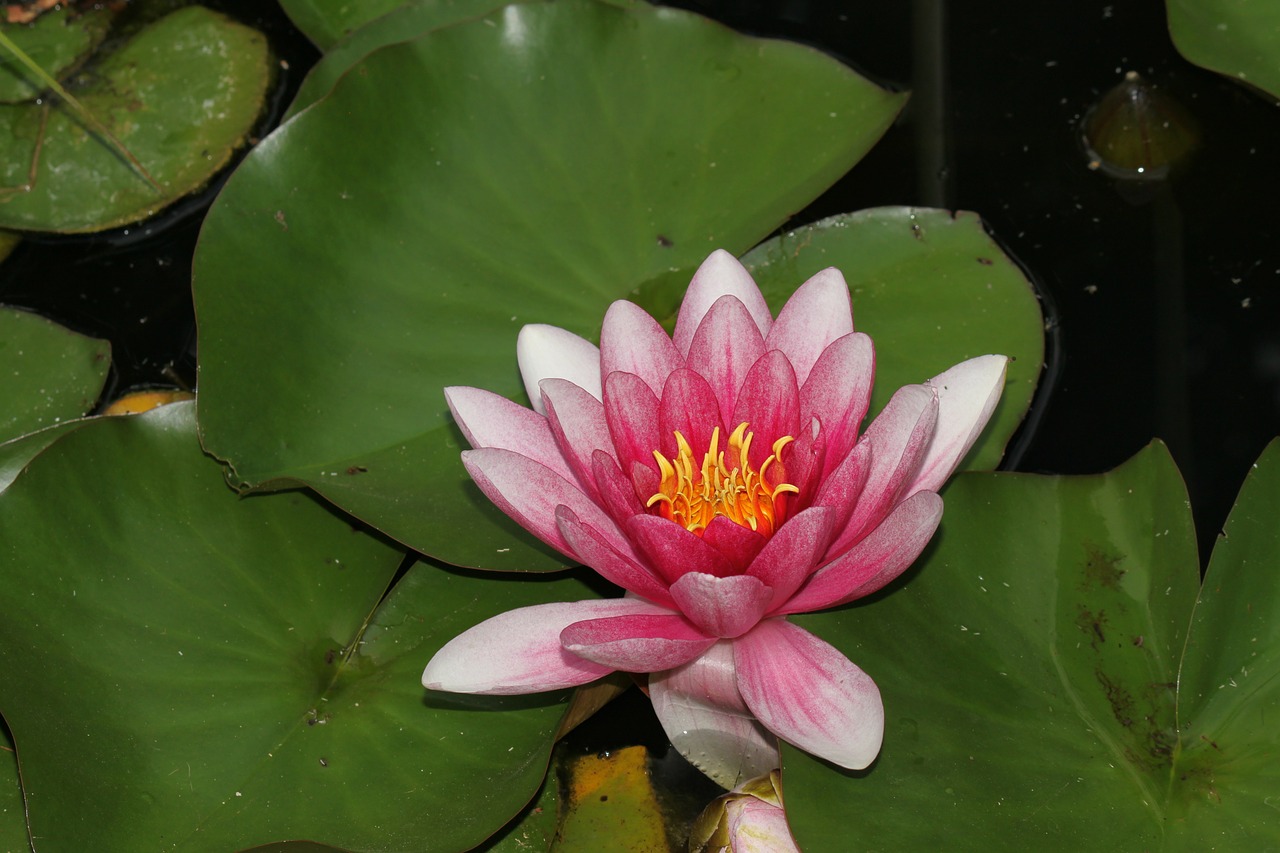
(932, 289)
(181, 96)
(57, 41)
(13, 825)
(1238, 38)
(188, 669)
(1051, 682)
(327, 21)
(405, 22)
(527, 167)
(48, 374)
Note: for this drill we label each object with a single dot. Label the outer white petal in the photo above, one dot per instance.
(520, 651)
(549, 352)
(705, 718)
(720, 275)
(967, 395)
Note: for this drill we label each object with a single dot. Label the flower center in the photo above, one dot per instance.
(693, 495)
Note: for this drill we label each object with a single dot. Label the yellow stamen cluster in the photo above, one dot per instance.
(693, 496)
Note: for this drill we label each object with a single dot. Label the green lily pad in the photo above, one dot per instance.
(48, 374)
(1036, 687)
(534, 831)
(181, 96)
(403, 23)
(185, 668)
(58, 41)
(527, 167)
(932, 289)
(13, 821)
(327, 21)
(1238, 38)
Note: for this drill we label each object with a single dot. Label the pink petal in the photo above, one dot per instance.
(724, 348)
(617, 494)
(769, 403)
(898, 437)
(530, 493)
(737, 543)
(489, 420)
(706, 720)
(793, 553)
(631, 341)
(843, 487)
(721, 607)
(885, 553)
(520, 651)
(689, 405)
(646, 642)
(810, 695)
(803, 461)
(549, 352)
(577, 422)
(673, 551)
(838, 391)
(719, 275)
(815, 316)
(967, 395)
(631, 411)
(613, 565)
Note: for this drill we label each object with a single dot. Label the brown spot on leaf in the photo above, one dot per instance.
(1101, 569)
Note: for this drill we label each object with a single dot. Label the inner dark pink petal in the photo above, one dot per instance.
(722, 607)
(769, 403)
(637, 643)
(724, 348)
(674, 551)
(737, 543)
(616, 492)
(625, 570)
(631, 411)
(838, 392)
(689, 406)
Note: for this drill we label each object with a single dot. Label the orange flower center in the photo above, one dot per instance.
(693, 495)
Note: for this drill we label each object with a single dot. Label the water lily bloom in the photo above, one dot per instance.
(718, 476)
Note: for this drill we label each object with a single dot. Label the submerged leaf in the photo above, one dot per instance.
(180, 97)
(57, 40)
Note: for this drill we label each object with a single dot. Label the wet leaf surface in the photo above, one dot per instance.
(48, 374)
(1238, 38)
(1030, 668)
(186, 668)
(527, 167)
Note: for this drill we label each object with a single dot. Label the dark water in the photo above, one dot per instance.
(1163, 303)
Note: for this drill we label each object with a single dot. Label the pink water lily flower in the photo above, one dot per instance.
(718, 476)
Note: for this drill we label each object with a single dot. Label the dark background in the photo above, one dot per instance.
(1160, 301)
